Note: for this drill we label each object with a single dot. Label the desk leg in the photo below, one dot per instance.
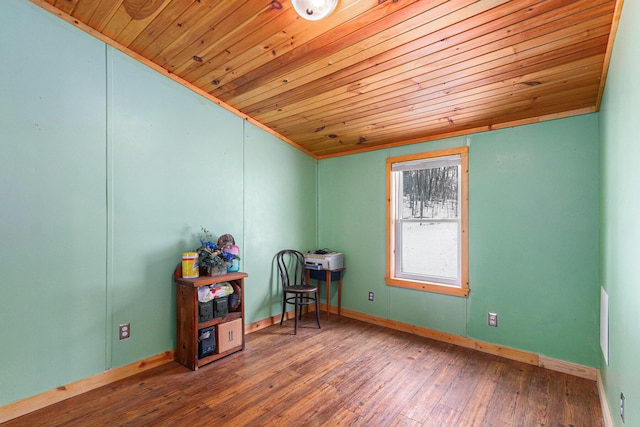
(339, 294)
(328, 288)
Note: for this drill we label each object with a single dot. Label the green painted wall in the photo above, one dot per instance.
(620, 249)
(172, 157)
(109, 170)
(534, 216)
(533, 248)
(52, 215)
(280, 213)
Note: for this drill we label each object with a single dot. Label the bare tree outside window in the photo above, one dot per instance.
(431, 193)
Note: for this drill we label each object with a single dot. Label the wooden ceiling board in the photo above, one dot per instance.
(450, 109)
(445, 87)
(439, 80)
(386, 60)
(441, 87)
(171, 17)
(307, 44)
(130, 27)
(378, 76)
(151, 44)
(374, 73)
(450, 57)
(362, 45)
(65, 6)
(233, 47)
(500, 89)
(453, 88)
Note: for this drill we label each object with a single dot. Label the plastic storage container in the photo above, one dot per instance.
(190, 265)
(234, 265)
(220, 307)
(206, 341)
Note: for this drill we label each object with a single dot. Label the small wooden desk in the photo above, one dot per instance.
(329, 276)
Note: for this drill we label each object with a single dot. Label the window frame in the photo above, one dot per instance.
(390, 278)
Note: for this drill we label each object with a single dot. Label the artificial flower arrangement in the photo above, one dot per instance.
(213, 258)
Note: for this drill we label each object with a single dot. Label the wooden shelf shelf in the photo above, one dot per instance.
(188, 324)
(229, 317)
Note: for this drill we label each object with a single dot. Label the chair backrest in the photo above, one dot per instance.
(291, 267)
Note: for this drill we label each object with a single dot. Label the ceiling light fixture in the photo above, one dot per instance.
(314, 10)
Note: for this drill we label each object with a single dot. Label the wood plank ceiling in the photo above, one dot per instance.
(375, 73)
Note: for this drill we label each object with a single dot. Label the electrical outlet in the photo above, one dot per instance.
(371, 296)
(493, 320)
(622, 406)
(124, 331)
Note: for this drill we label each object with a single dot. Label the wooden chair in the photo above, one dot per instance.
(294, 289)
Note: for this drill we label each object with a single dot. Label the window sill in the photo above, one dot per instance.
(428, 287)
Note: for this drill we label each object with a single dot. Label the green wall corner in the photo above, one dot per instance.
(620, 247)
(533, 239)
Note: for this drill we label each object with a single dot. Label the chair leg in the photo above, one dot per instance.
(284, 306)
(295, 315)
(318, 309)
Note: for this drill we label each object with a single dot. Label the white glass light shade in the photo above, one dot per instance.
(314, 10)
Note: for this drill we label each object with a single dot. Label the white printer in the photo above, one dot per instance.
(324, 261)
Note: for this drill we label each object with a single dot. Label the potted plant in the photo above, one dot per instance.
(212, 258)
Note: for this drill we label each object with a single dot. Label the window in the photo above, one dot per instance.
(427, 221)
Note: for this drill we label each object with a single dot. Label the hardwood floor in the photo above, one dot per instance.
(347, 373)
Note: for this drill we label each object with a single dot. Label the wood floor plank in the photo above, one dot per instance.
(463, 385)
(425, 401)
(475, 409)
(402, 421)
(343, 417)
(510, 398)
(348, 373)
(442, 415)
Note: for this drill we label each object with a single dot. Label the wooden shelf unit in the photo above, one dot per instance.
(187, 319)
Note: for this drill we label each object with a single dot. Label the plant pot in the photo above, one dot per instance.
(214, 270)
